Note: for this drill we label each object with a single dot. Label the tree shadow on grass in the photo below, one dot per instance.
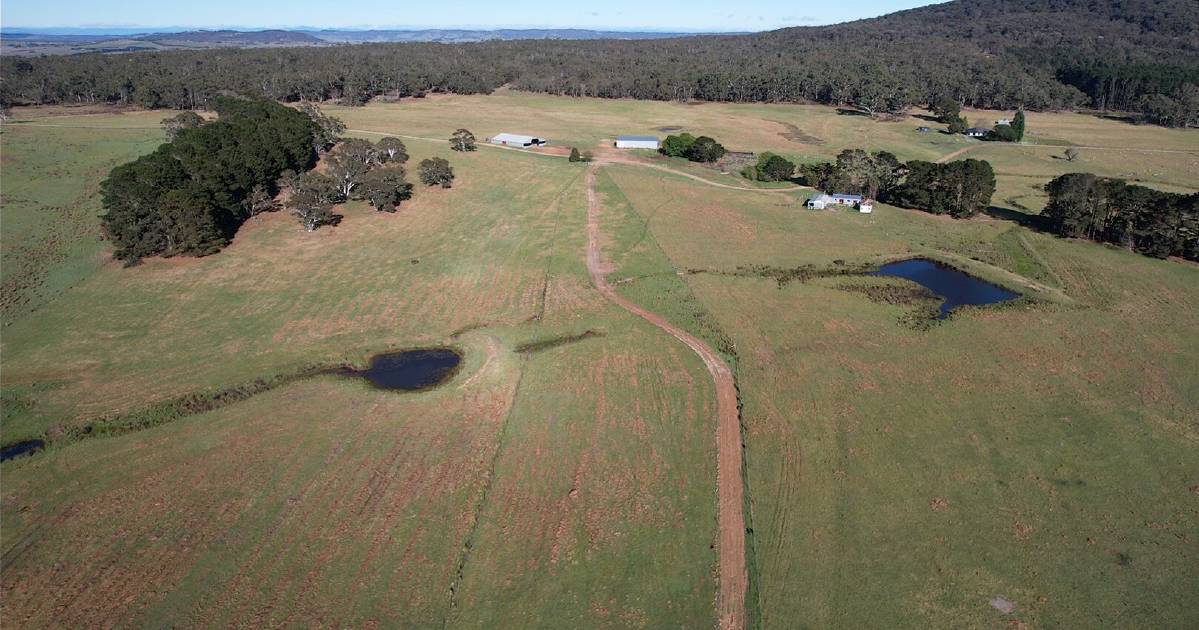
(1031, 221)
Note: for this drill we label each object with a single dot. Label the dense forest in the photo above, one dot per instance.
(1154, 223)
(1128, 55)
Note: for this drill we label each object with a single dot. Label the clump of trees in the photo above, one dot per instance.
(949, 112)
(191, 194)
(394, 149)
(386, 188)
(770, 168)
(355, 169)
(312, 200)
(436, 172)
(576, 156)
(872, 175)
(1151, 222)
(1013, 132)
(463, 140)
(677, 145)
(961, 189)
(685, 145)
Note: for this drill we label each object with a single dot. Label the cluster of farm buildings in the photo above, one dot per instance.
(817, 202)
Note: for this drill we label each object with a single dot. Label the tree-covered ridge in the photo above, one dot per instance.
(191, 194)
(1039, 54)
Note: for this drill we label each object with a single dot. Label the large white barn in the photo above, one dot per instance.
(517, 140)
(637, 142)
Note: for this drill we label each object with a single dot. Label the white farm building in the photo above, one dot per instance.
(636, 142)
(517, 140)
(820, 202)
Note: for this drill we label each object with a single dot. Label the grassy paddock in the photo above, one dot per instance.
(1032, 452)
(1039, 452)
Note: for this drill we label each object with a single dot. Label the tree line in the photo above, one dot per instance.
(1107, 210)
(702, 149)
(1001, 54)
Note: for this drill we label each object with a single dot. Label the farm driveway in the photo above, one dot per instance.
(733, 579)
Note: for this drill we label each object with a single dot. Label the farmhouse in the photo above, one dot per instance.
(820, 202)
(636, 142)
(977, 132)
(517, 140)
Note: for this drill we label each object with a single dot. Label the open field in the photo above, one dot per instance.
(896, 475)
(50, 201)
(1027, 452)
(522, 467)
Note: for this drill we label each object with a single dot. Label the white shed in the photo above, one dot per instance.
(866, 206)
(637, 142)
(517, 140)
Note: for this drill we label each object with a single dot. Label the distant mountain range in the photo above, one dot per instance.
(468, 35)
(64, 42)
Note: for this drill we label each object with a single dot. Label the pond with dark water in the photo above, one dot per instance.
(20, 449)
(955, 287)
(409, 370)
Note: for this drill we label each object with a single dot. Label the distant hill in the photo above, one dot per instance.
(466, 35)
(234, 38)
(28, 43)
(1125, 55)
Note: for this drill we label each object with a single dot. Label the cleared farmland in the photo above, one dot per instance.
(578, 461)
(1041, 452)
(1033, 452)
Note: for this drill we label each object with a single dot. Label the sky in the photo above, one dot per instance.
(654, 15)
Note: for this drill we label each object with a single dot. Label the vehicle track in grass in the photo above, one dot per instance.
(733, 579)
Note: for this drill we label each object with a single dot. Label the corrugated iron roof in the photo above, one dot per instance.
(515, 137)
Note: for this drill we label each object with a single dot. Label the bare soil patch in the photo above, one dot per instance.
(795, 134)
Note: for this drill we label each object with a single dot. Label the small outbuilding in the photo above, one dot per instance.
(923, 129)
(866, 206)
(637, 142)
(820, 202)
(517, 140)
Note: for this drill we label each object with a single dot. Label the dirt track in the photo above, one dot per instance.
(733, 580)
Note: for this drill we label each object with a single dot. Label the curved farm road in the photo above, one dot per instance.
(733, 580)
